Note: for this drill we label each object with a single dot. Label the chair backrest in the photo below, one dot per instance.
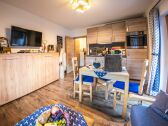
(143, 75)
(75, 66)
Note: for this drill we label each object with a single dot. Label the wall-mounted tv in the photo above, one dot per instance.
(21, 37)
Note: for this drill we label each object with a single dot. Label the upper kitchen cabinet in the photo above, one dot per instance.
(137, 24)
(119, 32)
(92, 35)
(105, 34)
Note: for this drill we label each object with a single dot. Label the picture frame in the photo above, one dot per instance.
(59, 43)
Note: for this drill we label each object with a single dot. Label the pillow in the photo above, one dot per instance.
(163, 115)
(160, 106)
(161, 102)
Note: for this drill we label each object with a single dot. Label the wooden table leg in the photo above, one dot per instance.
(95, 83)
(124, 112)
(80, 88)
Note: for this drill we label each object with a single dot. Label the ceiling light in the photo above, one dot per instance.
(83, 2)
(80, 5)
(74, 3)
(80, 9)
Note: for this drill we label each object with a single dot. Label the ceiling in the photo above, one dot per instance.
(101, 11)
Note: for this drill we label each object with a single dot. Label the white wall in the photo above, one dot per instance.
(10, 15)
(79, 32)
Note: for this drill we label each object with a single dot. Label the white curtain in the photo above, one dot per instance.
(154, 28)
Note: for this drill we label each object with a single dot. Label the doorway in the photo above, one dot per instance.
(80, 49)
(75, 47)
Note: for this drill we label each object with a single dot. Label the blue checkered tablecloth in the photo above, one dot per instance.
(100, 73)
(76, 118)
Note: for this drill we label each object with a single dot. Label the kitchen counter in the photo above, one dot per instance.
(89, 59)
(124, 56)
(93, 56)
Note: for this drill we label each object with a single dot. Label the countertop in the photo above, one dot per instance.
(100, 56)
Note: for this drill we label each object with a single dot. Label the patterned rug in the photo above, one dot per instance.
(106, 106)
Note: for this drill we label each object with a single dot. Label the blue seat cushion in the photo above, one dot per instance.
(133, 87)
(85, 78)
(145, 116)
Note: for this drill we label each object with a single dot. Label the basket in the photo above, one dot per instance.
(113, 63)
(45, 115)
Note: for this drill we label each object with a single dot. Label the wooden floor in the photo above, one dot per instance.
(57, 92)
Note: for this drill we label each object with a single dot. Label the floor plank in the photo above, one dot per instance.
(57, 92)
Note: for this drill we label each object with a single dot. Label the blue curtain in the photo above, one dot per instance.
(154, 28)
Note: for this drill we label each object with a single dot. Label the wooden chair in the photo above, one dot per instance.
(135, 89)
(87, 80)
(106, 83)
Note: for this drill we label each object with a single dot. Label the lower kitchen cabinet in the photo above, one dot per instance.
(21, 74)
(134, 68)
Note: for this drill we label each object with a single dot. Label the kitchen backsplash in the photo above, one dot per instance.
(102, 49)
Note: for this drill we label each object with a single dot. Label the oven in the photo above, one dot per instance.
(136, 40)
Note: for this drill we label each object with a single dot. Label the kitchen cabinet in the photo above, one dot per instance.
(119, 32)
(135, 59)
(134, 68)
(24, 73)
(137, 24)
(9, 85)
(105, 34)
(115, 32)
(137, 54)
(51, 61)
(92, 35)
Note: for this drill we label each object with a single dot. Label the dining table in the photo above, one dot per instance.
(114, 76)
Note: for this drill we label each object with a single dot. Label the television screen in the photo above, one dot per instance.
(25, 37)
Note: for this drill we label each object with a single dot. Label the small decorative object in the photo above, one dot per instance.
(4, 45)
(113, 63)
(96, 65)
(50, 48)
(117, 52)
(44, 46)
(4, 42)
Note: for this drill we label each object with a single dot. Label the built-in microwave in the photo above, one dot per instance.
(136, 39)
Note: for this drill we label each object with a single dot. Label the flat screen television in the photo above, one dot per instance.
(21, 37)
